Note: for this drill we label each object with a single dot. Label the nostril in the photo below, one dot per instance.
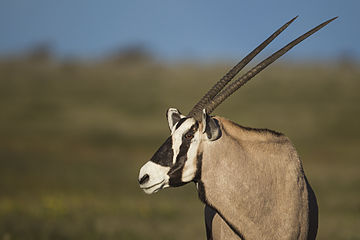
(144, 179)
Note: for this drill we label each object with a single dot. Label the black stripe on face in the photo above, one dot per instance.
(176, 171)
(181, 121)
(164, 155)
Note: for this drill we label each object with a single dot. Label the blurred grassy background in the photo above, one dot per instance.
(73, 136)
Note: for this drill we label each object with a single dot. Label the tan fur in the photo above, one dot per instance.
(255, 181)
(217, 227)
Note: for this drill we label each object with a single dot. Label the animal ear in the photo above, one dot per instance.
(173, 116)
(211, 127)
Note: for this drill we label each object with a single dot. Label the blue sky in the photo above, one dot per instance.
(177, 29)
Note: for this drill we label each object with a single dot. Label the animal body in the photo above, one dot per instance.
(251, 180)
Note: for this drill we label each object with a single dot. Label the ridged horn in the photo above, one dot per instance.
(197, 109)
(258, 68)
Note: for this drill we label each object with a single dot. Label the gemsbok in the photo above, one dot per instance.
(251, 180)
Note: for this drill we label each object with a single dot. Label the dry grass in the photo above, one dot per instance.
(74, 135)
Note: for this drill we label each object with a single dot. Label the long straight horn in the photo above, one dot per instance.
(258, 68)
(197, 109)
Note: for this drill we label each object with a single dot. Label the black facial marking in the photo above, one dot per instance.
(190, 133)
(180, 122)
(176, 171)
(164, 155)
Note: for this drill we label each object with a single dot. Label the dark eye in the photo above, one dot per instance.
(189, 135)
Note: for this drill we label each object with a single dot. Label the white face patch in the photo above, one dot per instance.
(177, 135)
(158, 177)
(190, 166)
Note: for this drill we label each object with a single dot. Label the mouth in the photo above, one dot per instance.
(153, 188)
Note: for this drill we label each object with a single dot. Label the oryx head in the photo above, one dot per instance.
(178, 160)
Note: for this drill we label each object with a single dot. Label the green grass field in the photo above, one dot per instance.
(74, 135)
